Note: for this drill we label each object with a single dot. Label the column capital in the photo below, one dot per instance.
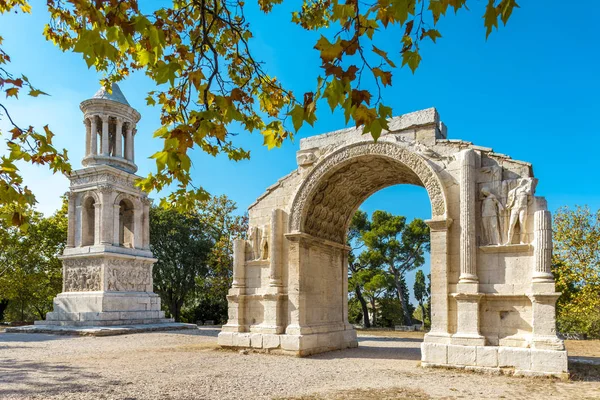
(104, 117)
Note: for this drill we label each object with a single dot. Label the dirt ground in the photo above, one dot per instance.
(190, 365)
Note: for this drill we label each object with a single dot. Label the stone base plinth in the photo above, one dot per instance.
(105, 309)
(298, 345)
(101, 330)
(508, 360)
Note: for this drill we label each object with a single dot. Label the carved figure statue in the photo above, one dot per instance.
(491, 208)
(517, 204)
(264, 244)
(112, 280)
(254, 241)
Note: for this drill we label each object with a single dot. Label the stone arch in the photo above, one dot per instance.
(127, 210)
(338, 184)
(89, 202)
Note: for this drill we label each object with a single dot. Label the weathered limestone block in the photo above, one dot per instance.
(519, 359)
(549, 361)
(461, 355)
(487, 356)
(434, 353)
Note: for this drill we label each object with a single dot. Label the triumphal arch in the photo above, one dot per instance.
(493, 294)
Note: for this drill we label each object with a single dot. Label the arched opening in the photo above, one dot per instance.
(126, 223)
(390, 224)
(88, 222)
(320, 215)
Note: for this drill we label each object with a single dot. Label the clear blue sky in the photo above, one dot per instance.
(531, 91)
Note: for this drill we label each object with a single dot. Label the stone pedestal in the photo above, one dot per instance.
(102, 288)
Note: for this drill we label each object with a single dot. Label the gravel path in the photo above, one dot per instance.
(189, 365)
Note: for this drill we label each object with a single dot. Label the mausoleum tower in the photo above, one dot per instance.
(107, 263)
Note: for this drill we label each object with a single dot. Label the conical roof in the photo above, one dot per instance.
(116, 95)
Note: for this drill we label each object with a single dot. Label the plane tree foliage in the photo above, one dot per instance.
(194, 251)
(383, 249)
(30, 271)
(210, 87)
(576, 267)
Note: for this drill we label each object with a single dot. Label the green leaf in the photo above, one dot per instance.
(329, 51)
(384, 55)
(384, 76)
(334, 93)
(490, 18)
(297, 115)
(432, 34)
(412, 58)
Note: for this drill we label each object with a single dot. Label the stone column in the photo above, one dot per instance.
(468, 244)
(97, 222)
(119, 138)
(276, 249)
(88, 137)
(239, 258)
(129, 142)
(133, 132)
(146, 223)
(78, 220)
(297, 302)
(542, 227)
(116, 225)
(439, 229)
(543, 307)
(106, 215)
(137, 226)
(105, 135)
(93, 136)
(71, 219)
(236, 299)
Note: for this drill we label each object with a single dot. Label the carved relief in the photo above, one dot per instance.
(505, 210)
(82, 276)
(128, 276)
(491, 210)
(102, 178)
(253, 243)
(327, 197)
(517, 203)
(264, 243)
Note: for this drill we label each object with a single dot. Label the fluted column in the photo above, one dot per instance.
(119, 138)
(129, 142)
(146, 223)
(133, 132)
(105, 136)
(71, 219)
(93, 135)
(542, 227)
(276, 248)
(88, 135)
(106, 215)
(468, 245)
(239, 258)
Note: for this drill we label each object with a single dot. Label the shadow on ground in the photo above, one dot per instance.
(22, 378)
(585, 369)
(388, 339)
(374, 352)
(29, 337)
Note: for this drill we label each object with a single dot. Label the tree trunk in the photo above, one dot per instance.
(403, 301)
(363, 304)
(374, 310)
(422, 315)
